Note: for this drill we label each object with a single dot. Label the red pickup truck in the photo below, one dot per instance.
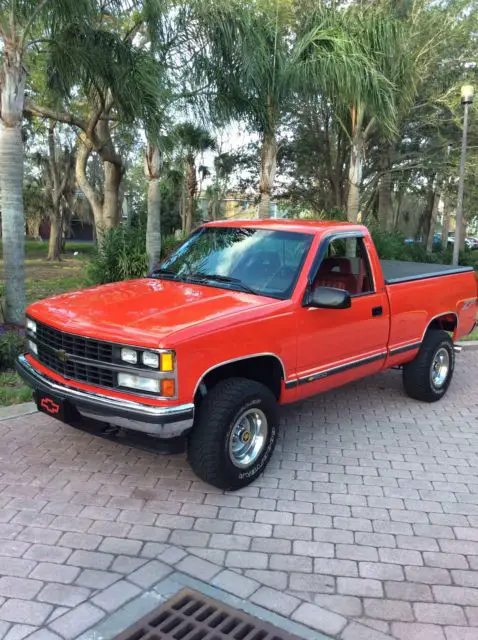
(241, 318)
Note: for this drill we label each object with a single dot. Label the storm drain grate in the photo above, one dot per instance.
(189, 615)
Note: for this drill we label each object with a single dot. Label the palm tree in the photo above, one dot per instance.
(22, 23)
(193, 140)
(119, 84)
(381, 39)
(261, 58)
(60, 169)
(153, 164)
(423, 76)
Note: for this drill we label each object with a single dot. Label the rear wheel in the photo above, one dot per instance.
(235, 433)
(428, 377)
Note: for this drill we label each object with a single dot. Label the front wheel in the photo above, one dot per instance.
(428, 377)
(235, 433)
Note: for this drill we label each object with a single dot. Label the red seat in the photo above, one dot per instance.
(337, 273)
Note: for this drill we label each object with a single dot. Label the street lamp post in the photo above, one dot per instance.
(467, 92)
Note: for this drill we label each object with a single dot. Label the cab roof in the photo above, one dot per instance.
(279, 224)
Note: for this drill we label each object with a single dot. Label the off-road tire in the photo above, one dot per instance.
(208, 443)
(416, 374)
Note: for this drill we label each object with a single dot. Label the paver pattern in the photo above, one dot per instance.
(367, 513)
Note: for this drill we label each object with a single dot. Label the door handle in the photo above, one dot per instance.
(377, 311)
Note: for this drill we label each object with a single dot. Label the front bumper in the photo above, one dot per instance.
(161, 422)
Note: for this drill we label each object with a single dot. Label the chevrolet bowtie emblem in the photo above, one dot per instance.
(61, 355)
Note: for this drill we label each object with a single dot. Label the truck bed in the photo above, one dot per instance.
(395, 271)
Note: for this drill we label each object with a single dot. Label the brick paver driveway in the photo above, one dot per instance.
(368, 509)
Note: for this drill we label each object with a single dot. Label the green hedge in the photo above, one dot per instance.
(12, 343)
(392, 246)
(122, 255)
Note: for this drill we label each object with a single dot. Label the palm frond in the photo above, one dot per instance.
(102, 64)
(193, 138)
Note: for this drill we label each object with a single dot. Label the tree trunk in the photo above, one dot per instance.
(268, 170)
(210, 209)
(355, 178)
(191, 194)
(11, 185)
(56, 239)
(153, 232)
(385, 210)
(182, 207)
(56, 190)
(463, 234)
(106, 208)
(425, 219)
(84, 150)
(153, 163)
(127, 210)
(445, 225)
(33, 228)
(113, 175)
(434, 214)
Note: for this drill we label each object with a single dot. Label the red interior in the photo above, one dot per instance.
(338, 273)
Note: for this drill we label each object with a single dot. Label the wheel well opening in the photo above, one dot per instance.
(265, 369)
(447, 322)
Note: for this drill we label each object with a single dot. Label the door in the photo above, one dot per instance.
(336, 346)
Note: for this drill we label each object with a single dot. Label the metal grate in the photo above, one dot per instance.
(74, 345)
(192, 616)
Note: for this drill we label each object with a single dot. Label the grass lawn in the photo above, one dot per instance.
(12, 389)
(44, 279)
(472, 336)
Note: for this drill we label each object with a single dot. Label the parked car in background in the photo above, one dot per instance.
(437, 240)
(470, 242)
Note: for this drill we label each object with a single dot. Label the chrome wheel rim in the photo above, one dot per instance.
(440, 368)
(248, 438)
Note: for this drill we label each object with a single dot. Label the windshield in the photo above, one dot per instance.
(258, 261)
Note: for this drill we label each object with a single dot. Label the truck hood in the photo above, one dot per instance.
(144, 312)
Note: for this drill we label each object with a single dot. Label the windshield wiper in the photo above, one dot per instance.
(165, 273)
(226, 279)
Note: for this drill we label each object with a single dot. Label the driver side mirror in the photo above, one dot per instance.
(329, 298)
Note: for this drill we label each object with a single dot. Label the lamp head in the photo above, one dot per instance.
(467, 92)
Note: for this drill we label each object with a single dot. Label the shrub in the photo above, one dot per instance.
(120, 256)
(12, 343)
(168, 244)
(390, 245)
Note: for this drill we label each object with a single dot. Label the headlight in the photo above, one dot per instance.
(139, 382)
(31, 325)
(33, 347)
(150, 359)
(129, 355)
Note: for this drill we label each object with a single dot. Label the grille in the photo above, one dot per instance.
(74, 345)
(75, 370)
(191, 616)
(50, 340)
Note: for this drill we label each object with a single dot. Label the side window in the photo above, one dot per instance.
(346, 266)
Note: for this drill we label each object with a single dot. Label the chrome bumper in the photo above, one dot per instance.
(162, 422)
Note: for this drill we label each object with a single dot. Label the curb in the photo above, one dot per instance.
(17, 410)
(470, 345)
